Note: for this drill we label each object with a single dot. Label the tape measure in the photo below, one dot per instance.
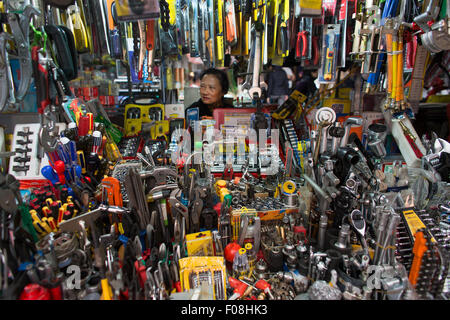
(289, 187)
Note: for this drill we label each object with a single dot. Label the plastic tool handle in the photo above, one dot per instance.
(60, 168)
(315, 47)
(50, 174)
(41, 81)
(304, 38)
(298, 53)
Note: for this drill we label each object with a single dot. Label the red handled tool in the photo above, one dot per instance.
(302, 45)
(239, 288)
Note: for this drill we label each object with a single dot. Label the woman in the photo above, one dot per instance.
(214, 85)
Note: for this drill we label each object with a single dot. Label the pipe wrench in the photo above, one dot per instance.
(20, 27)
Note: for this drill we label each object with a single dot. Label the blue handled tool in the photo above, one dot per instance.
(50, 174)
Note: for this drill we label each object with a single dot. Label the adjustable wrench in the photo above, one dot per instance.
(49, 133)
(20, 28)
(255, 89)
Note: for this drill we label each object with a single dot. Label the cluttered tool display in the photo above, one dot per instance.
(310, 199)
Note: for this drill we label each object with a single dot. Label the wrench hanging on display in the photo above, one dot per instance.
(255, 90)
(6, 80)
(20, 27)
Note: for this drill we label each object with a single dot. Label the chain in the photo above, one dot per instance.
(165, 15)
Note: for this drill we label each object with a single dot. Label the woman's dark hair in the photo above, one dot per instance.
(220, 75)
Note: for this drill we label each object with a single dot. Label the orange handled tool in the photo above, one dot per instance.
(112, 187)
(419, 250)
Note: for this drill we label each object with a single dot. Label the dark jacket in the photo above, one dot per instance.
(277, 82)
(204, 110)
(306, 85)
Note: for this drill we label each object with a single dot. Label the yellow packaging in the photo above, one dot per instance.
(195, 270)
(236, 217)
(311, 7)
(200, 244)
(135, 118)
(414, 223)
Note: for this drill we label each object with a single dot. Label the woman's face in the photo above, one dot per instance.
(210, 89)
